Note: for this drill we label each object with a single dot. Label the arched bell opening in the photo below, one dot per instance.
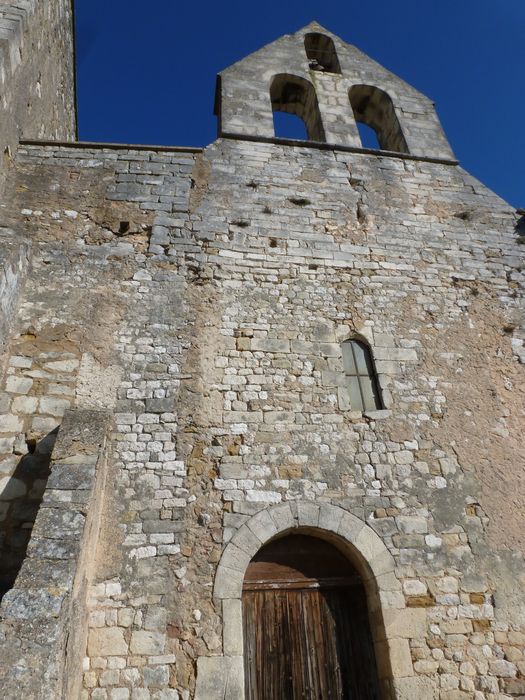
(295, 95)
(307, 627)
(321, 53)
(374, 108)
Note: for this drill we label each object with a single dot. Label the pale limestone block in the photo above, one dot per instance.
(24, 404)
(53, 405)
(43, 424)
(414, 587)
(235, 558)
(392, 599)
(412, 524)
(107, 641)
(400, 658)
(416, 688)
(283, 517)
(262, 526)
(228, 583)
(350, 527)
(10, 424)
(219, 677)
(270, 345)
(307, 514)
(383, 563)
(369, 544)
(330, 517)
(18, 385)
(502, 668)
(408, 623)
(246, 540)
(6, 445)
(119, 693)
(232, 627)
(388, 581)
(147, 642)
(62, 365)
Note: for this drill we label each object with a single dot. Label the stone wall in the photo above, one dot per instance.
(37, 81)
(14, 258)
(203, 300)
(42, 628)
(64, 351)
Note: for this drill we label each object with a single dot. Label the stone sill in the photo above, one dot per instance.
(372, 415)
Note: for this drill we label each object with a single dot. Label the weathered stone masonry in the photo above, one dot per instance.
(197, 301)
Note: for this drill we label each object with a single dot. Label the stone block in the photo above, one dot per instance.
(147, 642)
(107, 641)
(219, 677)
(53, 405)
(307, 514)
(11, 424)
(262, 526)
(157, 677)
(400, 658)
(412, 524)
(228, 583)
(407, 623)
(232, 627)
(416, 688)
(350, 527)
(235, 558)
(246, 540)
(283, 517)
(18, 385)
(24, 404)
(272, 345)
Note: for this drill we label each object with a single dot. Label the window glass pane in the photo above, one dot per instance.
(369, 394)
(356, 401)
(360, 353)
(348, 358)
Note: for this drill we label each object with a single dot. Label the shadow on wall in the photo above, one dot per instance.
(520, 226)
(19, 503)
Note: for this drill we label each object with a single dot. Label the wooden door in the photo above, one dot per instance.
(306, 637)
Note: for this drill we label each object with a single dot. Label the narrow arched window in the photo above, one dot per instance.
(374, 107)
(362, 379)
(295, 95)
(306, 631)
(321, 53)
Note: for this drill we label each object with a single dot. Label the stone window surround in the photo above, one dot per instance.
(393, 624)
(360, 374)
(382, 379)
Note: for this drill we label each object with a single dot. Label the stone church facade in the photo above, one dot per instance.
(178, 390)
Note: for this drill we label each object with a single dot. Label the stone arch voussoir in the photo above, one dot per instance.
(223, 675)
(364, 545)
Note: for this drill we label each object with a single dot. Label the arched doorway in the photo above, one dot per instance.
(306, 628)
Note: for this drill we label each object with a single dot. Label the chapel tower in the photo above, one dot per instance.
(262, 404)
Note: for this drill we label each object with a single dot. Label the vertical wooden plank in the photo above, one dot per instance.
(307, 640)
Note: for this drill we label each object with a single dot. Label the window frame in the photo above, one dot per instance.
(364, 373)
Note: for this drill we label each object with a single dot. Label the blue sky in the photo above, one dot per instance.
(146, 71)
